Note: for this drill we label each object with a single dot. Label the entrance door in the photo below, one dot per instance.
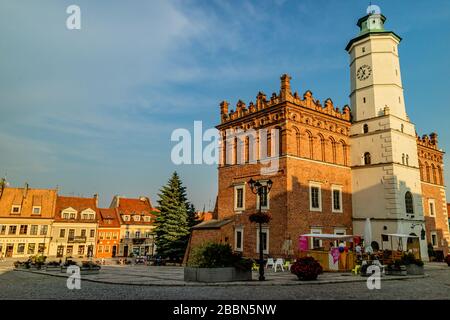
(114, 250)
(9, 250)
(60, 251)
(125, 251)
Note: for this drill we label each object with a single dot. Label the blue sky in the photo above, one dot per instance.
(92, 110)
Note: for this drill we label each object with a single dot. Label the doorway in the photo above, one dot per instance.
(125, 251)
(9, 250)
(114, 250)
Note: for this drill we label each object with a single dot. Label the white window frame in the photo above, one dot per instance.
(432, 202)
(16, 206)
(317, 185)
(241, 230)
(266, 231)
(315, 231)
(267, 207)
(339, 231)
(236, 187)
(36, 207)
(137, 217)
(434, 233)
(338, 188)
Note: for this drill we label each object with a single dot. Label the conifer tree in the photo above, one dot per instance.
(172, 222)
(192, 217)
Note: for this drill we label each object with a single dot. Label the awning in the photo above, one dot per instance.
(328, 236)
(399, 235)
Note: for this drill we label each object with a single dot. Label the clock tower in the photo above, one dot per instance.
(386, 184)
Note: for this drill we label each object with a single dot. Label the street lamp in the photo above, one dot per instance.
(422, 232)
(258, 189)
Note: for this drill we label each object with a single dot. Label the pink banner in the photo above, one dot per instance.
(303, 243)
(335, 254)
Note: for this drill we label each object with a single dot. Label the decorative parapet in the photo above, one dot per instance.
(285, 95)
(429, 141)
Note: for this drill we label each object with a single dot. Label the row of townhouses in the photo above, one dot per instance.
(40, 221)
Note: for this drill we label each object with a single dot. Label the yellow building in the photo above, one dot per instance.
(26, 217)
(74, 228)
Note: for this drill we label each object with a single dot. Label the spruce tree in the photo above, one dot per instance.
(192, 217)
(172, 222)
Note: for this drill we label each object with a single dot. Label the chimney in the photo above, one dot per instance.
(25, 190)
(285, 91)
(2, 186)
(96, 199)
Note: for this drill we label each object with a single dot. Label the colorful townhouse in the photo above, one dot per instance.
(26, 216)
(75, 227)
(108, 233)
(136, 216)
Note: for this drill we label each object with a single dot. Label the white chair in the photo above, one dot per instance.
(279, 262)
(270, 262)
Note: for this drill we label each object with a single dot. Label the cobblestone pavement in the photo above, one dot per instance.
(25, 285)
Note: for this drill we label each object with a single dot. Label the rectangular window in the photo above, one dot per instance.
(83, 233)
(12, 230)
(69, 251)
(41, 248)
(23, 229)
(34, 230)
(239, 198)
(62, 233)
(44, 230)
(127, 234)
(92, 233)
(336, 198)
(100, 249)
(71, 233)
(265, 240)
(60, 251)
(15, 209)
(239, 239)
(137, 234)
(3, 230)
(106, 249)
(80, 250)
(115, 236)
(31, 248)
(21, 248)
(315, 197)
(434, 239)
(65, 216)
(431, 207)
(72, 215)
(316, 242)
(36, 210)
(341, 232)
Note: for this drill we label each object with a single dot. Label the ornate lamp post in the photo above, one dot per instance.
(258, 189)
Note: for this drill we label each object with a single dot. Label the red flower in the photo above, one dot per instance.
(306, 268)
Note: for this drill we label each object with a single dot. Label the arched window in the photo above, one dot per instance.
(433, 171)
(441, 179)
(367, 159)
(427, 171)
(409, 202)
(365, 128)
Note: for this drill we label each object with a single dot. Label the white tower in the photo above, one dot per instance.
(385, 168)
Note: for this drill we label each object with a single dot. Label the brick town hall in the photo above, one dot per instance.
(336, 168)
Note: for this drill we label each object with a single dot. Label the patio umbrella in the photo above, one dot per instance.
(368, 236)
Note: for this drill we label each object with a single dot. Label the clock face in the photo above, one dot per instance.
(364, 72)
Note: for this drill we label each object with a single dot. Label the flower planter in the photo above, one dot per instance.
(53, 268)
(414, 269)
(90, 270)
(216, 274)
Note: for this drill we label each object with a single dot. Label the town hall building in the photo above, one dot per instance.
(335, 168)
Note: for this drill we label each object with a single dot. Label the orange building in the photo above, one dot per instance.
(108, 234)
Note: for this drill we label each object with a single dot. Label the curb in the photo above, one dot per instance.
(235, 284)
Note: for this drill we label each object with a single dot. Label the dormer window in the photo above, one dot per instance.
(36, 210)
(15, 209)
(147, 219)
(65, 215)
(137, 217)
(126, 217)
(72, 215)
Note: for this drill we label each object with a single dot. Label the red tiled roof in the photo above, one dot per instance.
(108, 214)
(136, 206)
(77, 203)
(27, 198)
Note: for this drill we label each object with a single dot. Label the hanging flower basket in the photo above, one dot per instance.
(260, 218)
